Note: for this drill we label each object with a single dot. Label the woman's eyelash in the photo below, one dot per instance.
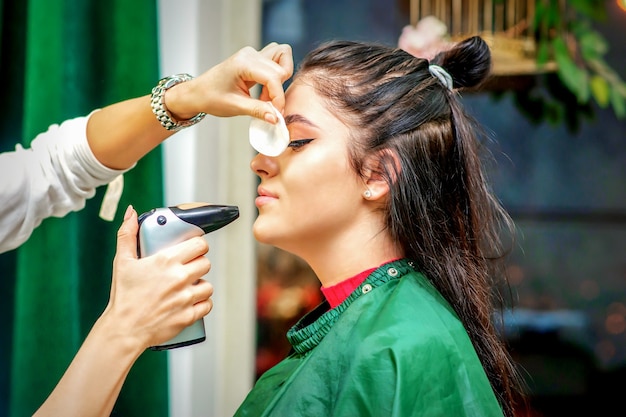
(295, 144)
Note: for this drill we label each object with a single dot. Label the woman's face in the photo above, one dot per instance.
(309, 195)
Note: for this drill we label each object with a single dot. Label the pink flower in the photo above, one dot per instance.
(426, 39)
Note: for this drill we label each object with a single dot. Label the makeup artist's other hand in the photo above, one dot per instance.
(224, 90)
(156, 297)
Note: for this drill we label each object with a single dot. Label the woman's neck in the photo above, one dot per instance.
(335, 263)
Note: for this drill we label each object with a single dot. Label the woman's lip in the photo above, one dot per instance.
(263, 200)
(264, 197)
(264, 193)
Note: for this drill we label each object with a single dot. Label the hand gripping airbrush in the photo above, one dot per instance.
(163, 227)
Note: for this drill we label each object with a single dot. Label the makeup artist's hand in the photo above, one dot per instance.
(224, 90)
(154, 298)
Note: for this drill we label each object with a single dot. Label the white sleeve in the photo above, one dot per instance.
(56, 175)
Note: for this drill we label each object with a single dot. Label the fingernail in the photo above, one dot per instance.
(270, 118)
(129, 211)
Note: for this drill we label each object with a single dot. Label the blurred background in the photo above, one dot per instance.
(555, 109)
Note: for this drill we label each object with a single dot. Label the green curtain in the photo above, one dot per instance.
(78, 55)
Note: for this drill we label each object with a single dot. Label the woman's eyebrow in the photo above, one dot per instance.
(298, 118)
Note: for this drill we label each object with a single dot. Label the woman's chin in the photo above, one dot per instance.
(260, 233)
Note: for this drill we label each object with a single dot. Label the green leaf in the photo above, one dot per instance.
(553, 15)
(620, 88)
(543, 52)
(575, 78)
(619, 104)
(600, 90)
(592, 45)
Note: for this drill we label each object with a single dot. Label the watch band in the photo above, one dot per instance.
(159, 109)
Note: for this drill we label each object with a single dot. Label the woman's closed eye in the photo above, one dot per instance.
(297, 144)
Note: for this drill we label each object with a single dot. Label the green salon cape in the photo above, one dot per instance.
(394, 347)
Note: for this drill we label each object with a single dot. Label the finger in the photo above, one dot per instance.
(273, 92)
(202, 291)
(281, 54)
(199, 300)
(271, 78)
(260, 109)
(269, 46)
(202, 308)
(187, 250)
(127, 234)
(197, 268)
(260, 66)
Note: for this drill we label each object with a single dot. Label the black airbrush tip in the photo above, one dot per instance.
(209, 217)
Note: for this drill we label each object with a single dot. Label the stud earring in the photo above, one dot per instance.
(367, 194)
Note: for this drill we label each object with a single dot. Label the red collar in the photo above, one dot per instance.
(335, 294)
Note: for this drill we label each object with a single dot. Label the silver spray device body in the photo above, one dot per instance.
(163, 227)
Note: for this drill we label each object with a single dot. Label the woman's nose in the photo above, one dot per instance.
(263, 165)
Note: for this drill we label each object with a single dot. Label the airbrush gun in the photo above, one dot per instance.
(167, 226)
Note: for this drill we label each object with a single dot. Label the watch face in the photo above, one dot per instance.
(171, 81)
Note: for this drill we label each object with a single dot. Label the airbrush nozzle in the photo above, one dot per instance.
(207, 217)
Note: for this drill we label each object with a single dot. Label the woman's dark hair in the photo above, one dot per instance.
(440, 209)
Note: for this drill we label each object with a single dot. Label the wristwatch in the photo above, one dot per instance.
(159, 109)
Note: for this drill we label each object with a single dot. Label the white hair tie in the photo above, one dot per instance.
(442, 75)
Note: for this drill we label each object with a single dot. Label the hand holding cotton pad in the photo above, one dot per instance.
(269, 139)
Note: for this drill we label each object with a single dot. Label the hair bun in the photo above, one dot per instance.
(468, 62)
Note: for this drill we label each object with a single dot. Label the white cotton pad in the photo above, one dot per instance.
(269, 139)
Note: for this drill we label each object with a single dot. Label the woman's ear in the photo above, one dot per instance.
(380, 170)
